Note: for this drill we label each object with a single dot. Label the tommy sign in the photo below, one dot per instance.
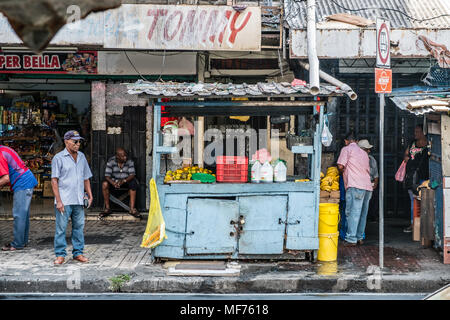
(383, 44)
(184, 27)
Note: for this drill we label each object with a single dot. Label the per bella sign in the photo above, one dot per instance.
(50, 62)
(29, 62)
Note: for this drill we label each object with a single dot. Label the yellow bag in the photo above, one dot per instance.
(155, 232)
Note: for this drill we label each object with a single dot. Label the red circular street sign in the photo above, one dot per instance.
(383, 43)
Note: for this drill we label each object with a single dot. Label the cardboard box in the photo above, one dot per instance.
(330, 195)
(328, 200)
(335, 194)
(324, 194)
(47, 192)
(416, 229)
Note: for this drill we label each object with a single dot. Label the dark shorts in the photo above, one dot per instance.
(132, 185)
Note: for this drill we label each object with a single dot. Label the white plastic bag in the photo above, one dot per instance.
(327, 137)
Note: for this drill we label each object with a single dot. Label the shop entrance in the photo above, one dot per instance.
(33, 123)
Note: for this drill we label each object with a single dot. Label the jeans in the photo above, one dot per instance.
(76, 213)
(21, 214)
(411, 197)
(357, 206)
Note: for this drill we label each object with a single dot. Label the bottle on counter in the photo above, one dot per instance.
(256, 172)
(266, 172)
(279, 171)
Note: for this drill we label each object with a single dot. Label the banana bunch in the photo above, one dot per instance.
(330, 181)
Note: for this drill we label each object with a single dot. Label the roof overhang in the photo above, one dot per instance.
(421, 100)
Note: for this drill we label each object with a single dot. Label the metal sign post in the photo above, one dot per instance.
(381, 184)
(383, 84)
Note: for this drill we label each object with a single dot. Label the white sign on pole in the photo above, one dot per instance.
(383, 44)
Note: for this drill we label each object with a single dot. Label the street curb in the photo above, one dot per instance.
(226, 285)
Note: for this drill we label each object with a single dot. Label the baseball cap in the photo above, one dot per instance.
(72, 134)
(364, 143)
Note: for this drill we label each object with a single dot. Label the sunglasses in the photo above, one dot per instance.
(76, 141)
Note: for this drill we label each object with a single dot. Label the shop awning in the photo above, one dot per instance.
(227, 90)
(420, 100)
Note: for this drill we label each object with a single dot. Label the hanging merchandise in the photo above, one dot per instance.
(170, 133)
(185, 127)
(262, 155)
(256, 172)
(279, 171)
(327, 137)
(266, 172)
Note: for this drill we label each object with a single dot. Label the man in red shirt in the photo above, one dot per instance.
(13, 172)
(353, 163)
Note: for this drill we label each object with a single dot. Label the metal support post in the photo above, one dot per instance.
(381, 183)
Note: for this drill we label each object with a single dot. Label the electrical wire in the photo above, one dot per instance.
(163, 65)
(132, 64)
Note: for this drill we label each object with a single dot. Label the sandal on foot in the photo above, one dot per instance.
(135, 213)
(9, 247)
(105, 213)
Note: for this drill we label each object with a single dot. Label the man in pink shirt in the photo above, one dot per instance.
(353, 163)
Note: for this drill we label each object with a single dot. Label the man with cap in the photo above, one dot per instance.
(70, 181)
(13, 172)
(353, 163)
(374, 178)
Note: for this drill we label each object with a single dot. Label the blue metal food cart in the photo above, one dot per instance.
(241, 220)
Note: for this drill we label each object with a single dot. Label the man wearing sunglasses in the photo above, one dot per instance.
(70, 181)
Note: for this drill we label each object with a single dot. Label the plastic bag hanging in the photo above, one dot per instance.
(401, 172)
(155, 232)
(327, 137)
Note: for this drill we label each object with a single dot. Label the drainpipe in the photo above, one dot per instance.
(312, 54)
(325, 76)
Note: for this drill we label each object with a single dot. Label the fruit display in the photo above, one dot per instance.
(185, 174)
(330, 181)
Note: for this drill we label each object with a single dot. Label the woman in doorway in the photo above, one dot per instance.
(416, 158)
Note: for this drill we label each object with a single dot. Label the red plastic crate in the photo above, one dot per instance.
(416, 208)
(231, 169)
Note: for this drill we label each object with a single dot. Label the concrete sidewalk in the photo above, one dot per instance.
(113, 249)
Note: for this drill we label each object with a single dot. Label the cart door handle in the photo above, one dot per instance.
(288, 223)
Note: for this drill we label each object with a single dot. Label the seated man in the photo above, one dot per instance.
(120, 173)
